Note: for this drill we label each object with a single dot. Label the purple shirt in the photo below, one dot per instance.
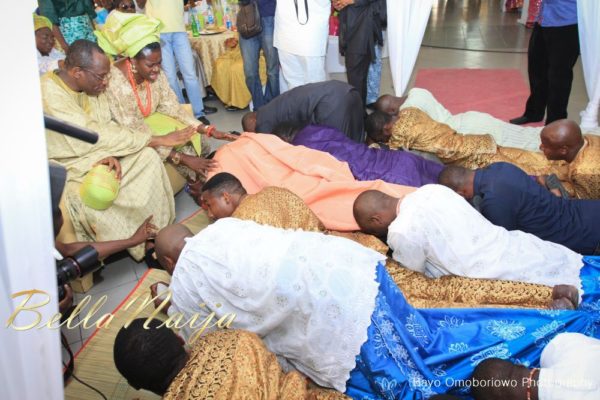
(393, 166)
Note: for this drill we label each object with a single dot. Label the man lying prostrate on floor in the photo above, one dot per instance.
(223, 365)
(435, 231)
(578, 155)
(328, 306)
(470, 122)
(568, 370)
(401, 167)
(331, 103)
(224, 196)
(508, 197)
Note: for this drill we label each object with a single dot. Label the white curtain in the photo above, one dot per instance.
(407, 20)
(30, 365)
(588, 14)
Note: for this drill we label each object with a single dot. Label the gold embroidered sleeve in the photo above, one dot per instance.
(415, 130)
(455, 291)
(280, 208)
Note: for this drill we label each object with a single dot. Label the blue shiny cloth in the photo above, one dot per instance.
(556, 13)
(415, 353)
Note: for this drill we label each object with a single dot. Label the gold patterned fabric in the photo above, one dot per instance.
(283, 209)
(144, 187)
(584, 170)
(280, 208)
(415, 130)
(458, 292)
(235, 364)
(125, 112)
(228, 79)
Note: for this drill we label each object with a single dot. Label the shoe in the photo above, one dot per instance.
(524, 120)
(204, 120)
(210, 110)
(232, 108)
(209, 96)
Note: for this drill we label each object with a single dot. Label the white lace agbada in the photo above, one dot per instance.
(309, 296)
(438, 233)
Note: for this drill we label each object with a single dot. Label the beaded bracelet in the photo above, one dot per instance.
(209, 130)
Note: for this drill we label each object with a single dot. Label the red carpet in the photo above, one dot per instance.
(499, 92)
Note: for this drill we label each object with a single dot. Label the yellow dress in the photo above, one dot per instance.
(144, 187)
(415, 130)
(281, 208)
(235, 364)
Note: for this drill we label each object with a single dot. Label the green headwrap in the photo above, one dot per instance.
(127, 34)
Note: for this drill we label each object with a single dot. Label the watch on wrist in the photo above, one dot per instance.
(176, 158)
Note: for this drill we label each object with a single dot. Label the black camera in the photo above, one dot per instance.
(80, 264)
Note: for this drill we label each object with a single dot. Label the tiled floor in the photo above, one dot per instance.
(471, 24)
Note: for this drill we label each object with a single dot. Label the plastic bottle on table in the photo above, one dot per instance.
(210, 18)
(227, 18)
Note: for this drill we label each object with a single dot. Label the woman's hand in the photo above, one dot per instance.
(146, 231)
(177, 138)
(224, 136)
(112, 164)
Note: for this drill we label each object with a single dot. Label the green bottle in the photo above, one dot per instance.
(195, 30)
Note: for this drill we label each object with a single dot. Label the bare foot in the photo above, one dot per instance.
(567, 291)
(561, 304)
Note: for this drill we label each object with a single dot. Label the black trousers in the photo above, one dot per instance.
(553, 51)
(357, 71)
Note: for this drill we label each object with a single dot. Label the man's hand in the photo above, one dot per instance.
(146, 231)
(154, 293)
(541, 180)
(67, 301)
(113, 164)
(199, 165)
(341, 4)
(179, 137)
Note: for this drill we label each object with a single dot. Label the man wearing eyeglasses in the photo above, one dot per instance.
(175, 46)
(75, 94)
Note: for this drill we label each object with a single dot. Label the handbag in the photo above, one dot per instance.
(248, 20)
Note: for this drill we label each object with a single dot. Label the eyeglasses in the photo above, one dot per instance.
(129, 6)
(98, 77)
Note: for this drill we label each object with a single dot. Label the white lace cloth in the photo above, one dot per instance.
(309, 296)
(438, 233)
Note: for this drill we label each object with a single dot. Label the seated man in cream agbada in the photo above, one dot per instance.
(75, 94)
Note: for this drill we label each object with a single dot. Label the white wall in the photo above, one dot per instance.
(30, 363)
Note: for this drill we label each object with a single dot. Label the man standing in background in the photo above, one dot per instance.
(301, 33)
(361, 29)
(553, 51)
(250, 49)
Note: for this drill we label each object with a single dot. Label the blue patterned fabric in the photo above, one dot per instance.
(415, 353)
(75, 28)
